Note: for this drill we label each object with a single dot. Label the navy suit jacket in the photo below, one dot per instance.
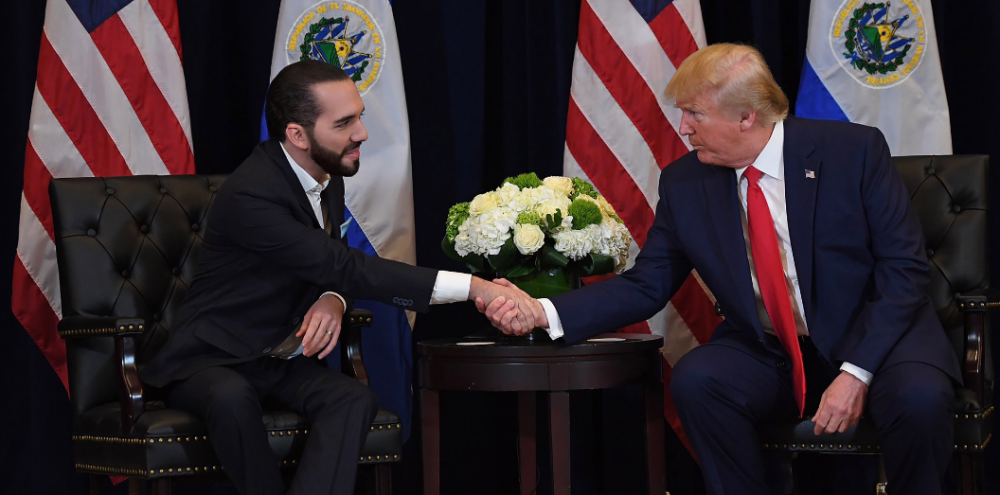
(859, 255)
(264, 261)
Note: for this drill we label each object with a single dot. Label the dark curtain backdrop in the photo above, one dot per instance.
(487, 86)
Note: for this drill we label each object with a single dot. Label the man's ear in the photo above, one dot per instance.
(295, 135)
(747, 119)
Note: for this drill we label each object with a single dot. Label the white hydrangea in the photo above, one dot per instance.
(507, 192)
(575, 244)
(485, 234)
(528, 238)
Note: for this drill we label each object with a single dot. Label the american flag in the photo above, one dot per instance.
(109, 100)
(621, 132)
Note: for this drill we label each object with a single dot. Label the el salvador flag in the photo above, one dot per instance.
(877, 66)
(360, 37)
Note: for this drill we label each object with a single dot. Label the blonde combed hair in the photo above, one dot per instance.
(739, 78)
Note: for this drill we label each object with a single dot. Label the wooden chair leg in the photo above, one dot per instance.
(159, 487)
(383, 479)
(134, 486)
(95, 484)
(971, 476)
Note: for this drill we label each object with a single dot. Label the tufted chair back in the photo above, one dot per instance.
(949, 194)
(131, 245)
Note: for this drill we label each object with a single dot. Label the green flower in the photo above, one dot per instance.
(584, 213)
(530, 217)
(525, 180)
(456, 217)
(581, 186)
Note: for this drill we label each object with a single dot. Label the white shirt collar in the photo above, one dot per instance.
(309, 184)
(769, 159)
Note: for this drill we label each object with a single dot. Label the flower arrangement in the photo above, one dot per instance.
(540, 234)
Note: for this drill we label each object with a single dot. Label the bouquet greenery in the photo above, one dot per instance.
(542, 235)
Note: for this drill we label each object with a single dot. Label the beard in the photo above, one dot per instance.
(332, 162)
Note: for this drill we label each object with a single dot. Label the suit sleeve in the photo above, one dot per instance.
(262, 222)
(636, 294)
(900, 270)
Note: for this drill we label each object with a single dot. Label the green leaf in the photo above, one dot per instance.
(505, 258)
(548, 258)
(521, 270)
(546, 283)
(597, 264)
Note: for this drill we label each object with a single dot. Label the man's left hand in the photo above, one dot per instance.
(321, 326)
(841, 405)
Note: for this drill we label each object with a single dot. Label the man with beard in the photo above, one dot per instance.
(273, 275)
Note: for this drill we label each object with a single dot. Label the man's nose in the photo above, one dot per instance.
(685, 129)
(361, 135)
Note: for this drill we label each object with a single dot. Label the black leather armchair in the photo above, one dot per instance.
(949, 194)
(127, 249)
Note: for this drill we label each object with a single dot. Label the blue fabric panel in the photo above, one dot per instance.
(815, 101)
(649, 9)
(93, 13)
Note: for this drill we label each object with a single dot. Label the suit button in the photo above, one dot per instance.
(782, 365)
(296, 320)
(266, 350)
(395, 300)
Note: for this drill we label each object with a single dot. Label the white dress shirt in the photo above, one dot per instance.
(771, 163)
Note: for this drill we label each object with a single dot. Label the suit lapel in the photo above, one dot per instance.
(273, 149)
(333, 197)
(802, 176)
(723, 207)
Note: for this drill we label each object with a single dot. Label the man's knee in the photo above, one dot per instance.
(916, 405)
(693, 377)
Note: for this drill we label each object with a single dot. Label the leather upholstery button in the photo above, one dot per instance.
(144, 229)
(930, 170)
(175, 270)
(213, 188)
(91, 232)
(157, 316)
(195, 227)
(930, 252)
(956, 208)
(110, 190)
(163, 190)
(125, 274)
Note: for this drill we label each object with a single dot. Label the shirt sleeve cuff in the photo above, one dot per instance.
(338, 296)
(555, 328)
(450, 287)
(858, 373)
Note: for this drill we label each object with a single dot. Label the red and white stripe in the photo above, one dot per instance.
(621, 131)
(106, 103)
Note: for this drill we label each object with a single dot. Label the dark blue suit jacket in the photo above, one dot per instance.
(264, 261)
(859, 255)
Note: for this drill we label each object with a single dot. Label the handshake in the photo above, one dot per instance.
(508, 308)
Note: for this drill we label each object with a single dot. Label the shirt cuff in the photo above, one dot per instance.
(555, 324)
(450, 287)
(342, 301)
(858, 373)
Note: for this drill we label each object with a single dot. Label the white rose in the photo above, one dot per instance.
(528, 238)
(549, 207)
(484, 202)
(562, 185)
(605, 206)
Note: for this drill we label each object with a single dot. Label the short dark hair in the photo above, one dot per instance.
(291, 99)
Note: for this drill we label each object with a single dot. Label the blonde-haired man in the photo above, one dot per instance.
(805, 236)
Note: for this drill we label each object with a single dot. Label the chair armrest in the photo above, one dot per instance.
(974, 306)
(351, 361)
(123, 330)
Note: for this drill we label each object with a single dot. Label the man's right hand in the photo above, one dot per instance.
(505, 312)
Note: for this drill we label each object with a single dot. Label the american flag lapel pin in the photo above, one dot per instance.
(810, 174)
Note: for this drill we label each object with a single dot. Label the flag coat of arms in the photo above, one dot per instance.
(621, 131)
(877, 64)
(360, 37)
(109, 100)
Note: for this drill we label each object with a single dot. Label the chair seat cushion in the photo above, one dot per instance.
(171, 442)
(973, 426)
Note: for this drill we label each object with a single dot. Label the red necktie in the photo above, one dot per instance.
(771, 279)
